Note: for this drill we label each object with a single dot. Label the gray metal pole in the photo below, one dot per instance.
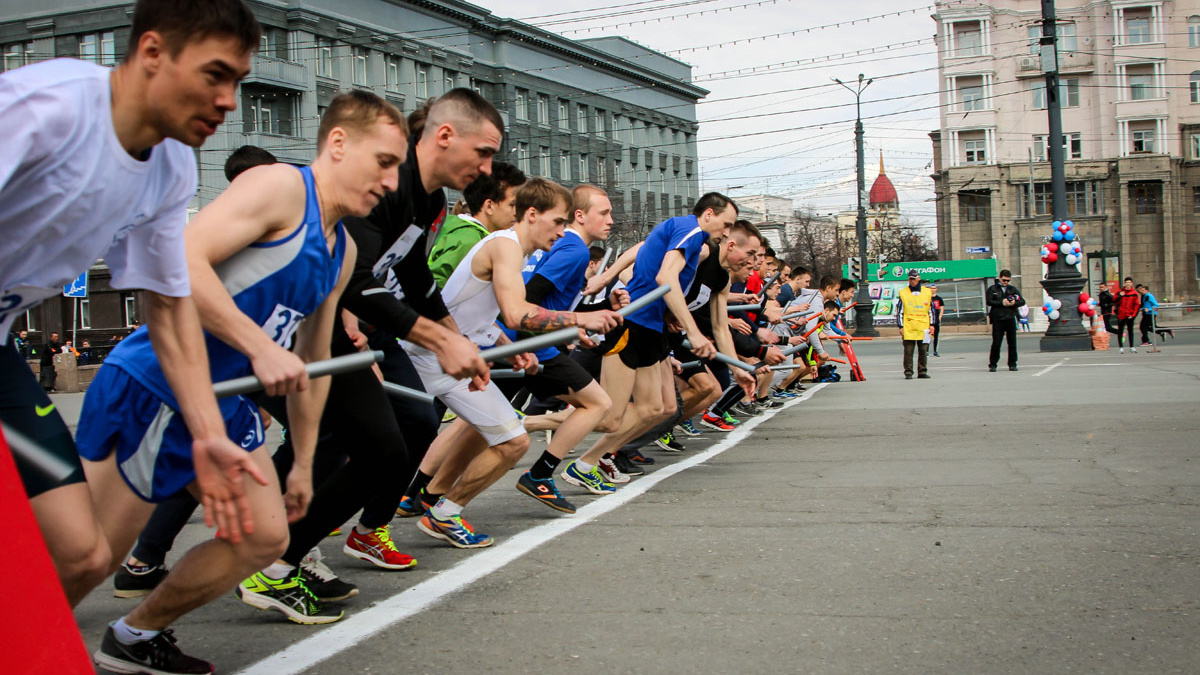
(864, 316)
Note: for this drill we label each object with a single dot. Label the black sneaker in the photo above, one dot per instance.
(637, 457)
(290, 596)
(322, 581)
(410, 507)
(134, 582)
(156, 656)
(545, 491)
(767, 403)
(626, 465)
(745, 409)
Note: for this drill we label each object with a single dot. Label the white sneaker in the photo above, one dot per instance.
(1133, 350)
(611, 472)
(1122, 350)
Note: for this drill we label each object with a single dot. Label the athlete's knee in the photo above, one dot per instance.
(513, 450)
(86, 562)
(266, 543)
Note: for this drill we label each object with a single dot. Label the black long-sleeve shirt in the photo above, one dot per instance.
(391, 285)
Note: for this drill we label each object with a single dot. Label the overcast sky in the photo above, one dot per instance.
(814, 165)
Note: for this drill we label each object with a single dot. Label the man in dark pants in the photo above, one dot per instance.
(936, 310)
(1107, 302)
(1003, 299)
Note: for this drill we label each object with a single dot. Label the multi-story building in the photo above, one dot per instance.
(1130, 97)
(603, 110)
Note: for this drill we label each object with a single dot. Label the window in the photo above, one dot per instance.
(1072, 147)
(615, 130)
(1194, 86)
(393, 73)
(521, 105)
(564, 166)
(1141, 87)
(584, 174)
(600, 126)
(544, 161)
(1196, 198)
(359, 61)
(972, 97)
(1195, 146)
(968, 39)
(581, 116)
(543, 110)
(324, 57)
(601, 172)
(18, 55)
(423, 82)
(267, 112)
(1068, 93)
(448, 80)
(616, 174)
(1066, 41)
(273, 43)
(98, 48)
(1143, 140)
(31, 320)
(85, 313)
(976, 151)
(1194, 31)
(131, 316)
(1197, 268)
(1145, 196)
(974, 206)
(564, 122)
(523, 157)
(1137, 30)
(1084, 198)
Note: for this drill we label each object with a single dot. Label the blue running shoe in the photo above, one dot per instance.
(688, 428)
(454, 531)
(592, 481)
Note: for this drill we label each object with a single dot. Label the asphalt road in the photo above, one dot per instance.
(1043, 521)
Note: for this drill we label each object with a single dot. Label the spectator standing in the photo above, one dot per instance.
(913, 312)
(21, 341)
(1003, 299)
(1129, 303)
(937, 308)
(1149, 307)
(49, 377)
(1107, 302)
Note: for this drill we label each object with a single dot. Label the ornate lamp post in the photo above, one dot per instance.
(864, 316)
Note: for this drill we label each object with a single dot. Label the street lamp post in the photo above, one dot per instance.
(864, 310)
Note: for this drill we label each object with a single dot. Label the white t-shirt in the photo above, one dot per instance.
(69, 193)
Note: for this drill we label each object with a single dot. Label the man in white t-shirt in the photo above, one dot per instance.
(98, 162)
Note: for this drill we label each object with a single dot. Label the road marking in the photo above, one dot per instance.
(1049, 368)
(343, 635)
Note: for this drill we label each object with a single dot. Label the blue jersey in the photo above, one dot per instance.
(565, 266)
(275, 283)
(681, 233)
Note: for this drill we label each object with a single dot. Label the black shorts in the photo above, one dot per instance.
(638, 346)
(557, 377)
(685, 356)
(26, 408)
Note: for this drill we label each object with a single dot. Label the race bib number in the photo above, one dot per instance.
(702, 297)
(392, 284)
(282, 324)
(396, 253)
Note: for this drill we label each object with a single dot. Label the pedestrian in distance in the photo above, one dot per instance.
(1149, 311)
(1107, 302)
(1129, 303)
(937, 310)
(1003, 300)
(914, 312)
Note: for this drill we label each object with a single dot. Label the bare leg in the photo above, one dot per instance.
(548, 421)
(461, 444)
(488, 468)
(212, 568)
(73, 535)
(591, 406)
(651, 402)
(702, 392)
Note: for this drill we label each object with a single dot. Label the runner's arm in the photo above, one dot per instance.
(672, 264)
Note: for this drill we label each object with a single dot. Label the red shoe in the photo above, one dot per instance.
(716, 423)
(377, 548)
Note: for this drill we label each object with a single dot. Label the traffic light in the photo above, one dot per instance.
(855, 265)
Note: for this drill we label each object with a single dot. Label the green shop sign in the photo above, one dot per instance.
(931, 270)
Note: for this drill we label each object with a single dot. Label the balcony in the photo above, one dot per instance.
(277, 72)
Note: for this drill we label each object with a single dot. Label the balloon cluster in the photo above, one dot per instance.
(1050, 309)
(1087, 305)
(1062, 244)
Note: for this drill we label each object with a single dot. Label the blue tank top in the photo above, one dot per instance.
(275, 283)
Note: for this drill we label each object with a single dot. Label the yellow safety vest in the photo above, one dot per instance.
(915, 316)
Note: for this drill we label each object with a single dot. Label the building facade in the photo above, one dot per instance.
(603, 110)
(1130, 97)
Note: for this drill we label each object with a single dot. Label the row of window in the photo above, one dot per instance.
(1139, 86)
(1142, 139)
(1136, 25)
(586, 168)
(98, 48)
(84, 317)
(536, 108)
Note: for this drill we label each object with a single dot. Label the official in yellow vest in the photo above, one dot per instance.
(913, 306)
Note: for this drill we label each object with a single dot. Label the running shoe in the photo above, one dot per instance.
(322, 581)
(766, 403)
(668, 443)
(688, 428)
(134, 582)
(1133, 349)
(592, 481)
(290, 596)
(378, 549)
(410, 507)
(636, 457)
(454, 531)
(715, 423)
(626, 465)
(448, 416)
(783, 394)
(156, 655)
(744, 408)
(545, 491)
(611, 473)
(730, 419)
(335, 533)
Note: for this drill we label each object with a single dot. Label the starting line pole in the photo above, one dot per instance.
(727, 360)
(335, 366)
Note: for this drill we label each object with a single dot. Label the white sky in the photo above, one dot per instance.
(814, 166)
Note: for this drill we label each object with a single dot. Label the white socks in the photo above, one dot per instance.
(127, 636)
(279, 571)
(445, 509)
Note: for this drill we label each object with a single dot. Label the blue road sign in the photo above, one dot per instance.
(978, 249)
(77, 288)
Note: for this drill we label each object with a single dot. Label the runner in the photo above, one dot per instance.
(100, 162)
(485, 285)
(668, 256)
(263, 256)
(491, 202)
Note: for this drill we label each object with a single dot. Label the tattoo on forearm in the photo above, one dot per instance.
(540, 320)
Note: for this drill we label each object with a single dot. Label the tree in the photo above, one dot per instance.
(906, 242)
(811, 241)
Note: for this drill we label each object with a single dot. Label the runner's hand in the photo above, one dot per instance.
(526, 361)
(740, 326)
(594, 285)
(744, 380)
(619, 298)
(459, 358)
(600, 321)
(585, 340)
(702, 347)
(280, 371)
(221, 467)
(773, 356)
(299, 492)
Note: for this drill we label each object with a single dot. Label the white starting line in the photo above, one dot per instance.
(1049, 368)
(347, 633)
